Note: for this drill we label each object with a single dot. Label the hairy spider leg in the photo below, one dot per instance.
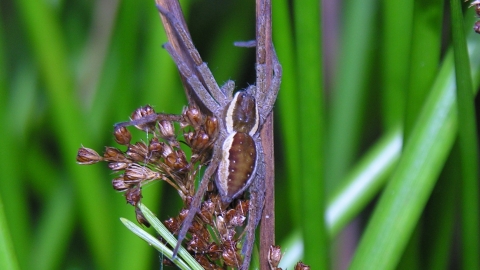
(206, 74)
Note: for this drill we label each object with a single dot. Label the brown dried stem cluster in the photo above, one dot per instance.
(476, 5)
(163, 159)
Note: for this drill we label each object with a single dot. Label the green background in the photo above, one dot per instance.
(69, 70)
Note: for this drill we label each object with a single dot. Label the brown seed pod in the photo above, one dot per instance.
(230, 255)
(167, 131)
(113, 154)
(211, 126)
(119, 184)
(122, 135)
(141, 113)
(140, 217)
(194, 117)
(197, 244)
(274, 256)
(172, 225)
(206, 212)
(117, 166)
(301, 266)
(138, 152)
(87, 156)
(205, 262)
(133, 195)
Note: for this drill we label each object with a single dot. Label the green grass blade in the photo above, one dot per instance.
(405, 196)
(467, 135)
(8, 259)
(312, 125)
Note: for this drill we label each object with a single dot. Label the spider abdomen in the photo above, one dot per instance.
(237, 166)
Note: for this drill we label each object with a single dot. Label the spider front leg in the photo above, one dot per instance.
(267, 97)
(197, 199)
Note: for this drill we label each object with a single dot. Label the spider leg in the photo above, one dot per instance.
(192, 80)
(197, 199)
(267, 99)
(205, 73)
(228, 88)
(149, 119)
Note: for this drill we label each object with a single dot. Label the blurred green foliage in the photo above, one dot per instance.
(69, 70)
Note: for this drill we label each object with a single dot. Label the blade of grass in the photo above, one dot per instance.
(467, 136)
(405, 196)
(51, 56)
(288, 114)
(397, 18)
(363, 182)
(8, 259)
(424, 59)
(348, 99)
(311, 105)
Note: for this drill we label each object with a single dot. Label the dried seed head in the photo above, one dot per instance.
(122, 135)
(176, 161)
(117, 166)
(274, 256)
(211, 126)
(172, 225)
(136, 173)
(234, 218)
(207, 211)
(141, 113)
(204, 262)
(214, 251)
(194, 117)
(119, 184)
(230, 255)
(133, 195)
(197, 244)
(301, 266)
(138, 152)
(167, 131)
(141, 218)
(113, 154)
(87, 156)
(200, 141)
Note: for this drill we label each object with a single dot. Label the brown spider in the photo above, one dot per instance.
(237, 160)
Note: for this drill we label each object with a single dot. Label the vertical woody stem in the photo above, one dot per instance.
(264, 57)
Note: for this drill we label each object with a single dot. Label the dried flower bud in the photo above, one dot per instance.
(133, 195)
(214, 251)
(301, 266)
(142, 112)
(476, 27)
(274, 256)
(167, 131)
(114, 155)
(172, 225)
(117, 166)
(87, 156)
(141, 218)
(194, 117)
(120, 185)
(197, 244)
(234, 219)
(200, 141)
(122, 135)
(231, 256)
(136, 172)
(138, 152)
(207, 211)
(176, 160)
(242, 207)
(220, 224)
(211, 126)
(204, 262)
